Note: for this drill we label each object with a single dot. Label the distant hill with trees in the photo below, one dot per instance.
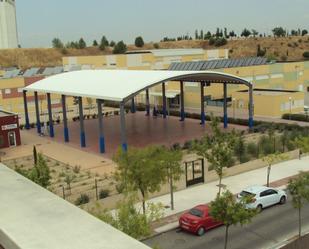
(281, 45)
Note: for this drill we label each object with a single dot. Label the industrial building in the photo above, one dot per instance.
(8, 24)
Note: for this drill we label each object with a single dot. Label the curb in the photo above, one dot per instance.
(288, 241)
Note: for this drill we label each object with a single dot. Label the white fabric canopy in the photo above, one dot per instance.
(121, 85)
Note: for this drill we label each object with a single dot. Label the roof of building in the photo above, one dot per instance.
(170, 52)
(217, 64)
(34, 218)
(121, 85)
(30, 72)
(4, 113)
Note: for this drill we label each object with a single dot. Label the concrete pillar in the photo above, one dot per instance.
(101, 128)
(251, 107)
(124, 144)
(203, 117)
(163, 100)
(37, 112)
(65, 119)
(81, 123)
(27, 123)
(50, 116)
(182, 102)
(133, 108)
(147, 103)
(225, 105)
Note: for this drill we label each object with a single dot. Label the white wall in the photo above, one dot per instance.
(8, 25)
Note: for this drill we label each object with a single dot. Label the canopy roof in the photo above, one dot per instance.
(121, 85)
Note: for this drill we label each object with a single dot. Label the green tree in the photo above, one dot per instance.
(140, 170)
(40, 173)
(112, 43)
(245, 33)
(207, 35)
(279, 32)
(217, 148)
(240, 148)
(68, 180)
(254, 32)
(57, 43)
(171, 161)
(95, 43)
(120, 48)
(304, 32)
(128, 219)
(306, 54)
(230, 212)
(299, 189)
(139, 42)
(302, 143)
(104, 43)
(82, 44)
(270, 160)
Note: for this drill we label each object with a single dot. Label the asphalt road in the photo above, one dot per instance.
(271, 226)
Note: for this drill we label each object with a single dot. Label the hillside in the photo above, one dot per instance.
(281, 49)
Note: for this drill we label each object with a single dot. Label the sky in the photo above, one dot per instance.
(39, 21)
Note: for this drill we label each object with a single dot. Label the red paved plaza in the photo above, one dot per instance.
(140, 129)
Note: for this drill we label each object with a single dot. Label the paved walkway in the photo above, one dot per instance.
(59, 151)
(205, 193)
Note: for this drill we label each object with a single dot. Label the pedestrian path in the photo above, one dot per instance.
(205, 193)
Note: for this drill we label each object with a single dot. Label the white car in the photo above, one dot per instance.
(262, 197)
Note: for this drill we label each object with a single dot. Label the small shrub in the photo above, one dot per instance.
(176, 146)
(187, 145)
(103, 193)
(306, 54)
(76, 169)
(21, 126)
(156, 46)
(83, 199)
(62, 174)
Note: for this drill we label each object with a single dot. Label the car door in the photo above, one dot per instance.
(273, 197)
(265, 198)
(209, 221)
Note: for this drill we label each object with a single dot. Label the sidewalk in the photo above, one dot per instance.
(205, 193)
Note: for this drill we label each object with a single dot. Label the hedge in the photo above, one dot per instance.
(297, 117)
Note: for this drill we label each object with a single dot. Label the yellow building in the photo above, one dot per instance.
(270, 103)
(156, 59)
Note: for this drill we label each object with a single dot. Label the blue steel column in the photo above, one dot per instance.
(163, 100)
(50, 116)
(81, 123)
(65, 119)
(251, 107)
(203, 117)
(37, 112)
(101, 128)
(124, 144)
(133, 108)
(147, 103)
(225, 105)
(182, 102)
(27, 124)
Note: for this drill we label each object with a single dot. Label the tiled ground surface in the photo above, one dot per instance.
(141, 131)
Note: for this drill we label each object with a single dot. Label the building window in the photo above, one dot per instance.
(20, 90)
(7, 91)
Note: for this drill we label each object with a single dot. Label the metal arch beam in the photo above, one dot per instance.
(147, 103)
(124, 144)
(182, 102)
(225, 105)
(203, 117)
(229, 79)
(251, 106)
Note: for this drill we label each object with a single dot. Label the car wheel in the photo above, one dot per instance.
(201, 231)
(259, 208)
(282, 200)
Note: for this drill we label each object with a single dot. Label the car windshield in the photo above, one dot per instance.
(246, 194)
(196, 212)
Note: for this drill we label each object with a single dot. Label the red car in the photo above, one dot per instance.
(198, 220)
